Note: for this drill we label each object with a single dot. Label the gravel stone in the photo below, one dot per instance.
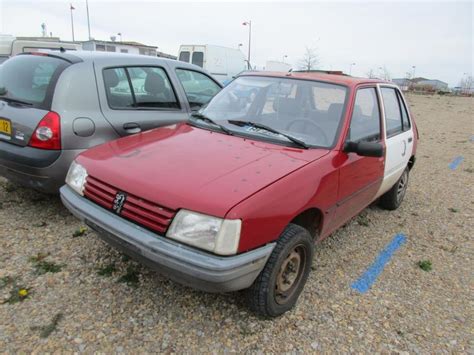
(407, 310)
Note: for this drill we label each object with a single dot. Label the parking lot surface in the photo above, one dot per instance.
(81, 295)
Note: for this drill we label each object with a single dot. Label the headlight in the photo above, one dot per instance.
(220, 236)
(76, 177)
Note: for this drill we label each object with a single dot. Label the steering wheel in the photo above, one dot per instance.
(307, 122)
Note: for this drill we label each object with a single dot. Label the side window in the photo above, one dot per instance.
(199, 88)
(393, 118)
(405, 119)
(365, 121)
(198, 59)
(152, 88)
(117, 88)
(184, 56)
(139, 87)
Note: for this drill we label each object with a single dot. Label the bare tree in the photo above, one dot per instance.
(310, 59)
(466, 84)
(371, 74)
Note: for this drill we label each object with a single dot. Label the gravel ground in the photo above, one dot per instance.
(129, 308)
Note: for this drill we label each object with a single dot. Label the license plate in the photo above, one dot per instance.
(5, 126)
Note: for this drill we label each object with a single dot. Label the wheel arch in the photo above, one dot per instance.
(311, 219)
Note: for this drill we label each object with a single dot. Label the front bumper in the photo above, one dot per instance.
(179, 262)
(43, 170)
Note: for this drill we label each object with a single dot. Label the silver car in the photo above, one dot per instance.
(55, 105)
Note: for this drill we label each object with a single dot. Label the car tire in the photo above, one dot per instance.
(393, 198)
(278, 286)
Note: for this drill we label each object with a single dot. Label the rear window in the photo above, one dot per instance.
(31, 78)
(198, 59)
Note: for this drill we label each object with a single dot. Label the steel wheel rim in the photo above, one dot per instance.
(290, 274)
(402, 186)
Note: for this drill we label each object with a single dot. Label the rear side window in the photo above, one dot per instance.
(139, 87)
(199, 88)
(31, 78)
(393, 117)
(198, 59)
(184, 56)
(365, 121)
(405, 121)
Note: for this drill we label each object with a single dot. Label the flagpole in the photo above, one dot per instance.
(88, 20)
(72, 22)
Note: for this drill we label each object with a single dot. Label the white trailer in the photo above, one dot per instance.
(222, 62)
(273, 65)
(11, 45)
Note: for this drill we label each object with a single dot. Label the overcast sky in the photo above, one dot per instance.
(436, 37)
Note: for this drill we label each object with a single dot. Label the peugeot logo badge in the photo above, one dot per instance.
(119, 201)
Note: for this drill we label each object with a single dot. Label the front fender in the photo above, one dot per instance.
(266, 213)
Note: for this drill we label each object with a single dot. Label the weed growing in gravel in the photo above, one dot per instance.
(46, 330)
(42, 266)
(363, 220)
(125, 258)
(79, 232)
(18, 294)
(5, 281)
(425, 265)
(454, 210)
(131, 277)
(107, 270)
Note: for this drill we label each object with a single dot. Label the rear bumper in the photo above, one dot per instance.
(43, 170)
(179, 262)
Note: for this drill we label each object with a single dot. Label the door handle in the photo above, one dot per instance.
(410, 140)
(132, 127)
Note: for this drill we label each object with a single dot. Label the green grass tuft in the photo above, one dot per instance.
(131, 277)
(425, 265)
(107, 270)
(42, 266)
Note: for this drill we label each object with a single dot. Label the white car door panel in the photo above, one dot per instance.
(398, 137)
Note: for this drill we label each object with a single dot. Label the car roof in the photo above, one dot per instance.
(104, 58)
(341, 79)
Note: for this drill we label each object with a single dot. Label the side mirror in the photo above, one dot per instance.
(364, 149)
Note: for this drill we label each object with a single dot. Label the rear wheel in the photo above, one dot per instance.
(393, 198)
(280, 283)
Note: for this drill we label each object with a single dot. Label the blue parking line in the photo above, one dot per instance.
(455, 163)
(367, 279)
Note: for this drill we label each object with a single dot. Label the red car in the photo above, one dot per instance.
(237, 197)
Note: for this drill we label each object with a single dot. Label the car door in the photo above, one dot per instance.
(360, 177)
(398, 136)
(137, 98)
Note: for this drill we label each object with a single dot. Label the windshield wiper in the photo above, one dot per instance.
(204, 118)
(270, 129)
(16, 101)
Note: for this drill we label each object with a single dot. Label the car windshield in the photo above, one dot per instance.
(308, 111)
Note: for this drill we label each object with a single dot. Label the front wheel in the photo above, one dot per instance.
(393, 198)
(280, 283)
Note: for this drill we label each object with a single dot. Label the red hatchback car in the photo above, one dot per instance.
(237, 197)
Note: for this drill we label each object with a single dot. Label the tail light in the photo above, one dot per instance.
(47, 134)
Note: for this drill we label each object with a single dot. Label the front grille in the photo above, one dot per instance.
(135, 209)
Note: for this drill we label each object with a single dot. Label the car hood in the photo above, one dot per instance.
(181, 166)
